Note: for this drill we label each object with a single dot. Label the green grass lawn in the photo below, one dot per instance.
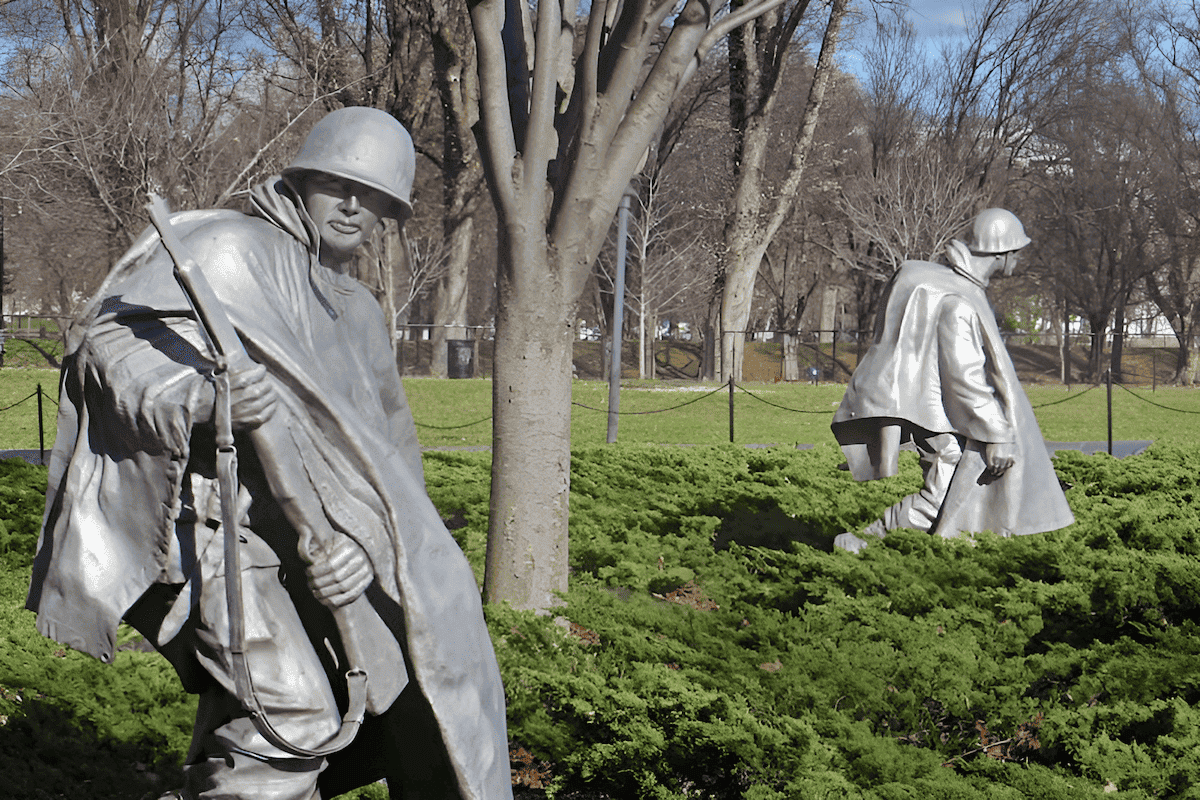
(779, 413)
(457, 413)
(19, 407)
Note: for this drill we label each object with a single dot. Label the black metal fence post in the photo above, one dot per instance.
(41, 426)
(1108, 380)
(731, 409)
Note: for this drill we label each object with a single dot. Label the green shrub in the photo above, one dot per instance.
(22, 501)
(924, 667)
(712, 644)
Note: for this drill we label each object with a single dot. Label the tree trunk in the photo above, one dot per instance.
(1182, 356)
(753, 221)
(641, 341)
(1118, 341)
(736, 305)
(651, 346)
(531, 435)
(1192, 375)
(1096, 353)
(791, 357)
(450, 317)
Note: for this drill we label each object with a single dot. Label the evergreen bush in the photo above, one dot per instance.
(713, 645)
(717, 647)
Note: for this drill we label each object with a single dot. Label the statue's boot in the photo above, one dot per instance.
(853, 543)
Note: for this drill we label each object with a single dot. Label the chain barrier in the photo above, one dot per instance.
(776, 405)
(14, 405)
(1067, 398)
(1151, 402)
(765, 401)
(720, 388)
(727, 386)
(451, 427)
(39, 394)
(731, 385)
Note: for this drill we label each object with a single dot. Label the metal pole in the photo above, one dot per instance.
(833, 359)
(1108, 380)
(618, 318)
(41, 426)
(731, 409)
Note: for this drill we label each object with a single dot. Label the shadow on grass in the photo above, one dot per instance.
(47, 752)
(762, 523)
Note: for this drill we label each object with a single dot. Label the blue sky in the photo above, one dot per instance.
(935, 18)
(935, 22)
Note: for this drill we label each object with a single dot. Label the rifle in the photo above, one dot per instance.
(376, 673)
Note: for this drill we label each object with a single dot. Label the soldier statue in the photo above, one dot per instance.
(313, 579)
(938, 374)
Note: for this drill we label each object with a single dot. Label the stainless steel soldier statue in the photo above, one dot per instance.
(938, 374)
(237, 475)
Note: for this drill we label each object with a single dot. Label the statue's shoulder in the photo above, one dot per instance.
(222, 228)
(917, 270)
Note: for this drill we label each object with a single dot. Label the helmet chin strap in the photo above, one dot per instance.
(1010, 263)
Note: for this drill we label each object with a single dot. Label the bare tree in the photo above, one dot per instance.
(914, 191)
(462, 185)
(668, 265)
(1095, 188)
(1011, 77)
(913, 204)
(562, 130)
(113, 98)
(1165, 46)
(759, 55)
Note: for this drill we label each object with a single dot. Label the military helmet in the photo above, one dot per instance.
(997, 231)
(365, 145)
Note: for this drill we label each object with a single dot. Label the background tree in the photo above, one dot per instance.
(1165, 48)
(667, 265)
(759, 55)
(450, 65)
(116, 98)
(1096, 225)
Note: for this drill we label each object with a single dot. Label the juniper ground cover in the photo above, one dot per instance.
(712, 645)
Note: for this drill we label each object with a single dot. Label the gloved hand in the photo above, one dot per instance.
(999, 456)
(345, 574)
(252, 396)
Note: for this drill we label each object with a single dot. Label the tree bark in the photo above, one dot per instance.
(450, 316)
(749, 229)
(526, 561)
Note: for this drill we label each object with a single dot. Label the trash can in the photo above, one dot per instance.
(460, 358)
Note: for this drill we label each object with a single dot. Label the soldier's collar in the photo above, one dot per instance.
(961, 261)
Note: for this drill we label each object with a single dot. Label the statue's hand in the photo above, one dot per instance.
(1000, 456)
(339, 579)
(252, 397)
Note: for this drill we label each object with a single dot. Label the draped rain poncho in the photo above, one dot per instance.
(939, 364)
(116, 470)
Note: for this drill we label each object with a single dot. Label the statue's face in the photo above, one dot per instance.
(345, 211)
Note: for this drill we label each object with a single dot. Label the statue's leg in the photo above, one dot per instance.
(229, 757)
(404, 744)
(940, 454)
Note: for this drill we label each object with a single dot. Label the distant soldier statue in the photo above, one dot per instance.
(244, 418)
(938, 374)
